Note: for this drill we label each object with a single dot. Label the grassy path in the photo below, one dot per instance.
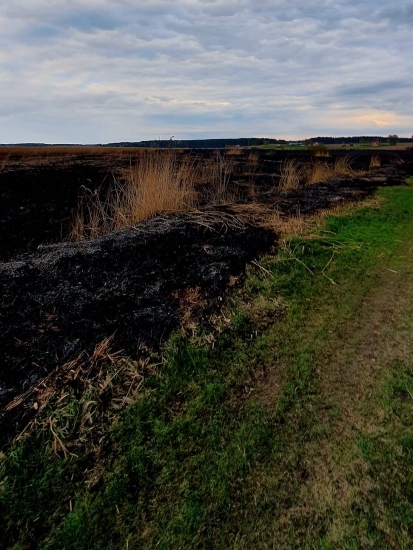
(288, 428)
(349, 465)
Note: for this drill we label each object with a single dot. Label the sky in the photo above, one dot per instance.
(99, 71)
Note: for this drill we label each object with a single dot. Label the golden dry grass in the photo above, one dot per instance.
(375, 161)
(34, 156)
(318, 150)
(217, 173)
(319, 172)
(158, 183)
(235, 151)
(292, 174)
(253, 157)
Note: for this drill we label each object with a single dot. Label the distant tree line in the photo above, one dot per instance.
(327, 140)
(220, 143)
(200, 143)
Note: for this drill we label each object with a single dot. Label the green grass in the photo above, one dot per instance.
(206, 458)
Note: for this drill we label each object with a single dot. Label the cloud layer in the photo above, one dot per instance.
(94, 71)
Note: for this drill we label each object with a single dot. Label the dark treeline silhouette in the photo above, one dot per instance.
(327, 140)
(220, 143)
(200, 143)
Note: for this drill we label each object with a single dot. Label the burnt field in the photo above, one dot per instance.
(38, 193)
(137, 284)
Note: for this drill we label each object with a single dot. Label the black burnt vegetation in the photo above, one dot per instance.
(207, 216)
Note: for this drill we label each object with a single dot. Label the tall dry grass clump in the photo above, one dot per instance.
(375, 161)
(217, 173)
(234, 151)
(318, 150)
(319, 172)
(158, 183)
(292, 174)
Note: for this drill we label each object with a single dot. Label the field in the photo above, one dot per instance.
(234, 371)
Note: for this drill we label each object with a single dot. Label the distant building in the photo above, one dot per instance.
(375, 144)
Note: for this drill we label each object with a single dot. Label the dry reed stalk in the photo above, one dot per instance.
(292, 173)
(157, 184)
(234, 151)
(375, 161)
(218, 172)
(319, 172)
(253, 157)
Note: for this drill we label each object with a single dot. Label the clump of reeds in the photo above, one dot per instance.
(157, 184)
(235, 151)
(253, 157)
(318, 150)
(375, 161)
(318, 171)
(292, 174)
(217, 174)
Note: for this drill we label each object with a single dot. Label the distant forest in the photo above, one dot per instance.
(357, 139)
(200, 143)
(228, 142)
(249, 142)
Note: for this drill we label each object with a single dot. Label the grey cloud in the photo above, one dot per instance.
(198, 66)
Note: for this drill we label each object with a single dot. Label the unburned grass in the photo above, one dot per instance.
(292, 174)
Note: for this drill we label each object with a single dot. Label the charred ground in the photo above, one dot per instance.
(61, 299)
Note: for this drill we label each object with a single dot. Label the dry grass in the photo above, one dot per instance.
(191, 303)
(14, 156)
(217, 173)
(253, 157)
(4, 161)
(235, 151)
(78, 402)
(292, 174)
(264, 215)
(59, 150)
(318, 171)
(318, 150)
(375, 161)
(158, 183)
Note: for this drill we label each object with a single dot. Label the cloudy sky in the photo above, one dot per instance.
(90, 71)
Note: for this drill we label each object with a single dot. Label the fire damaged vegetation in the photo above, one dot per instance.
(287, 425)
(161, 239)
(67, 297)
